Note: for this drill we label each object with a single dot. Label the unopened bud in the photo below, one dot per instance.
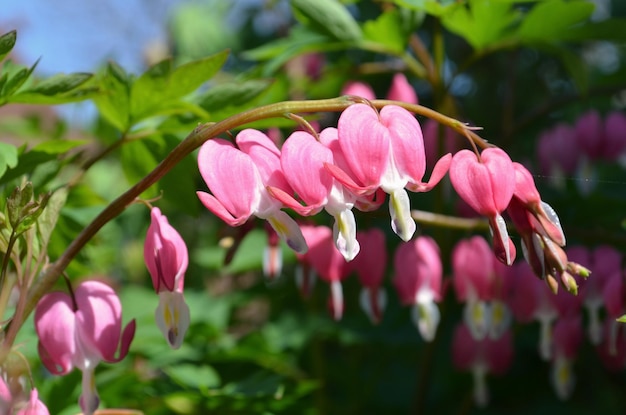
(552, 283)
(577, 269)
(569, 283)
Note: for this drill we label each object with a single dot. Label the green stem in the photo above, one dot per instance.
(450, 222)
(194, 140)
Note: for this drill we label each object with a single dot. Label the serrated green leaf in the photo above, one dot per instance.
(194, 376)
(7, 42)
(162, 86)
(387, 31)
(552, 20)
(232, 94)
(8, 157)
(485, 22)
(329, 17)
(114, 100)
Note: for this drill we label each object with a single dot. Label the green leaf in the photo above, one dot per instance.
(232, 94)
(7, 41)
(44, 152)
(58, 89)
(114, 101)
(48, 219)
(610, 29)
(485, 22)
(622, 319)
(386, 30)
(60, 83)
(161, 86)
(15, 81)
(329, 17)
(8, 157)
(433, 7)
(552, 20)
(299, 41)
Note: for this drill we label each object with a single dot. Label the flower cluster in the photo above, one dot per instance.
(369, 153)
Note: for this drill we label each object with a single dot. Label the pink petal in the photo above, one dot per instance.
(418, 267)
(365, 143)
(302, 161)
(99, 320)
(55, 324)
(265, 155)
(165, 253)
(486, 185)
(371, 262)
(233, 180)
(441, 168)
(407, 145)
(401, 90)
(359, 89)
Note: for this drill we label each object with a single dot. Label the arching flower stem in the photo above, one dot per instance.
(193, 141)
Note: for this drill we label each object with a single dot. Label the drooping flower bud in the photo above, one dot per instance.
(166, 257)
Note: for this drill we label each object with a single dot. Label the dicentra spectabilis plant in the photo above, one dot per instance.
(287, 129)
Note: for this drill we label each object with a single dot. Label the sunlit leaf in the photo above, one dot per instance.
(386, 30)
(329, 17)
(232, 94)
(483, 23)
(48, 219)
(17, 79)
(552, 20)
(7, 41)
(162, 85)
(8, 157)
(114, 101)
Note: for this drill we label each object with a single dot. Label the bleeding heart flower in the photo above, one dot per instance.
(237, 179)
(480, 287)
(370, 267)
(331, 267)
(418, 282)
(166, 257)
(481, 357)
(486, 183)
(303, 160)
(81, 331)
(386, 150)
